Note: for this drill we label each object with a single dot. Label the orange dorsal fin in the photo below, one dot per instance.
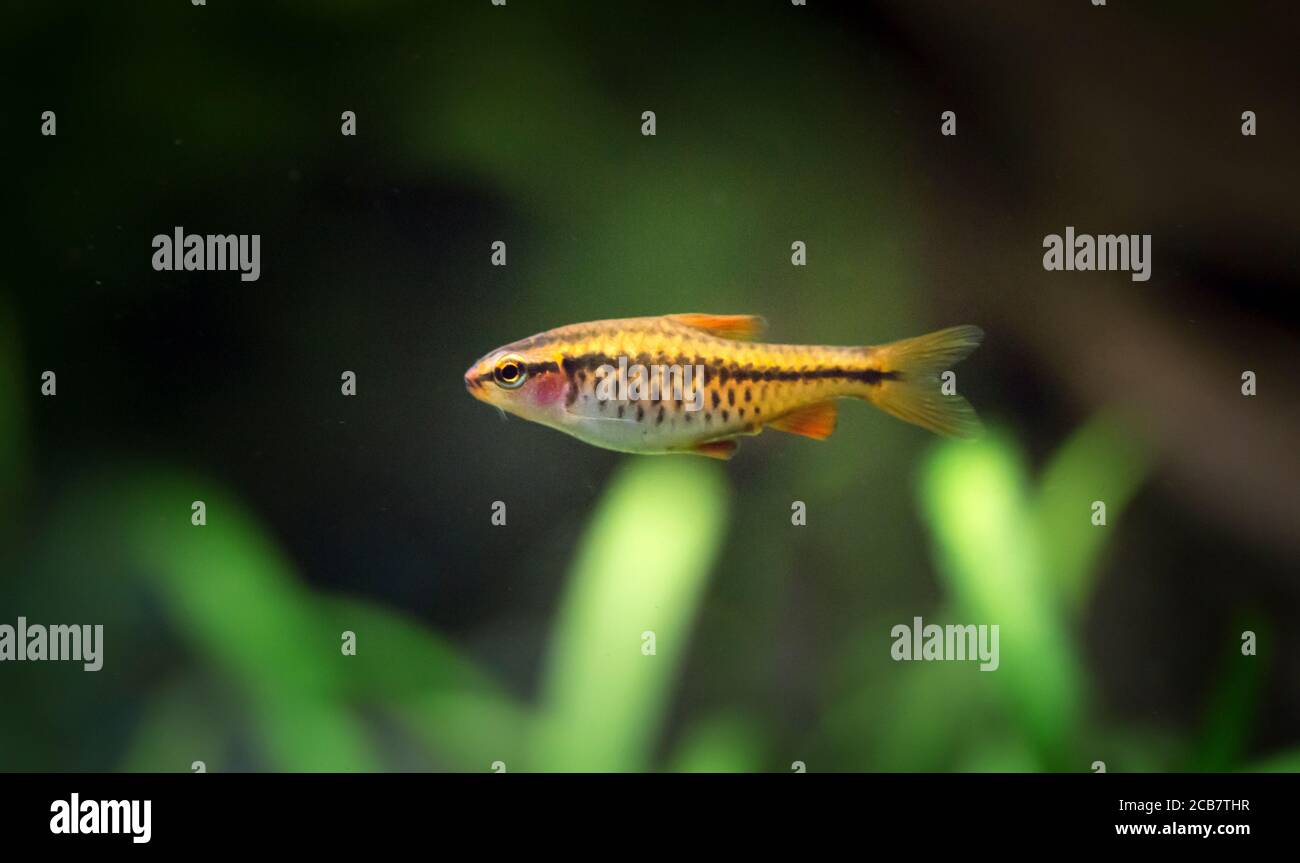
(814, 421)
(720, 449)
(740, 327)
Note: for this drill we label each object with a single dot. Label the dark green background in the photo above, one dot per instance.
(522, 643)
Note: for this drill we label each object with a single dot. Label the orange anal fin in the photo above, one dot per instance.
(740, 327)
(814, 421)
(720, 449)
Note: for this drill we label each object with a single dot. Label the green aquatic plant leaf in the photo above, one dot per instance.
(635, 586)
(236, 604)
(976, 498)
(233, 597)
(1282, 762)
(725, 743)
(1102, 461)
(1231, 710)
(440, 698)
(177, 728)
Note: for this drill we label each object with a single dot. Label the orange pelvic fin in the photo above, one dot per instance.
(719, 449)
(740, 327)
(814, 421)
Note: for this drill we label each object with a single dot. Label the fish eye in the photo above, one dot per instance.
(509, 372)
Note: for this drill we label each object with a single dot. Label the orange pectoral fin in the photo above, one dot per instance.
(814, 421)
(741, 327)
(720, 449)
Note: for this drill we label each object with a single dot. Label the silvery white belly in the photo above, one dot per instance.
(641, 427)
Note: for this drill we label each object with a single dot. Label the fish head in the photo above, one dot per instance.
(529, 382)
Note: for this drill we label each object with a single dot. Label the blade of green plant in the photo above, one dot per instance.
(234, 598)
(463, 718)
(1230, 712)
(638, 575)
(466, 731)
(306, 734)
(722, 744)
(300, 735)
(1282, 762)
(1100, 462)
(396, 657)
(999, 754)
(938, 712)
(234, 594)
(974, 497)
(176, 729)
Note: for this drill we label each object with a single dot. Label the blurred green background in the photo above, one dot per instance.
(523, 644)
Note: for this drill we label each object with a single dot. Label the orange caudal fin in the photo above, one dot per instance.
(740, 327)
(719, 449)
(814, 421)
(910, 387)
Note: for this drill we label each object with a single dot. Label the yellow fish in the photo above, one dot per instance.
(694, 383)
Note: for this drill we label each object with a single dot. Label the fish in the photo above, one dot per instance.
(695, 383)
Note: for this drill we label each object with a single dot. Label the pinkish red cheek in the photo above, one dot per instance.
(548, 389)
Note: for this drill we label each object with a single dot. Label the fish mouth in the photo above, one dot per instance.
(473, 385)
